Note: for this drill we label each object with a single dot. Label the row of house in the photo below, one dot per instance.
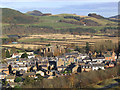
(50, 67)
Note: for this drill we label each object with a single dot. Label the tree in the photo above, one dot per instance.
(3, 53)
(17, 86)
(18, 79)
(77, 49)
(7, 54)
(37, 65)
(10, 69)
(87, 47)
(24, 55)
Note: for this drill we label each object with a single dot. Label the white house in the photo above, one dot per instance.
(22, 68)
(31, 56)
(82, 56)
(19, 63)
(16, 55)
(40, 72)
(98, 59)
(97, 67)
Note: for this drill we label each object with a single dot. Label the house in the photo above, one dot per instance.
(44, 66)
(29, 53)
(16, 55)
(61, 68)
(31, 56)
(72, 54)
(109, 65)
(60, 62)
(110, 56)
(75, 69)
(98, 66)
(86, 59)
(82, 56)
(90, 67)
(19, 63)
(85, 68)
(98, 59)
(10, 78)
(6, 71)
(40, 72)
(23, 68)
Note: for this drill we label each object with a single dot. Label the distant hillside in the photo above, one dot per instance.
(38, 13)
(101, 17)
(62, 23)
(95, 16)
(35, 12)
(116, 17)
(14, 16)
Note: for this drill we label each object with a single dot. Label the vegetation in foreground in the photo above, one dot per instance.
(81, 80)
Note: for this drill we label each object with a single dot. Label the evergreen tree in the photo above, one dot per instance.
(7, 54)
(87, 47)
(24, 55)
(37, 66)
(10, 69)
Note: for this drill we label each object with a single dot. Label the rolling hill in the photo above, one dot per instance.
(116, 17)
(35, 12)
(67, 23)
(16, 17)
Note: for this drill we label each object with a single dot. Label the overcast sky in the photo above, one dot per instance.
(81, 7)
(58, 0)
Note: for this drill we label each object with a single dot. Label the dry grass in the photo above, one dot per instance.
(22, 46)
(61, 39)
(58, 36)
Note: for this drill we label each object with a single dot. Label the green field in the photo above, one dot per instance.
(17, 22)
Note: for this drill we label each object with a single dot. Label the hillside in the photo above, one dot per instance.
(16, 17)
(96, 16)
(116, 17)
(35, 12)
(67, 23)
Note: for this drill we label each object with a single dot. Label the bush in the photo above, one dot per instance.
(18, 79)
(81, 80)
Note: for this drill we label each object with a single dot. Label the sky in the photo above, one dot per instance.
(105, 8)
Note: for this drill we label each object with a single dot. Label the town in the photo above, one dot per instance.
(28, 64)
(59, 44)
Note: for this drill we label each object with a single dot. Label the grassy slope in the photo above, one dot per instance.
(53, 20)
(16, 17)
(101, 21)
